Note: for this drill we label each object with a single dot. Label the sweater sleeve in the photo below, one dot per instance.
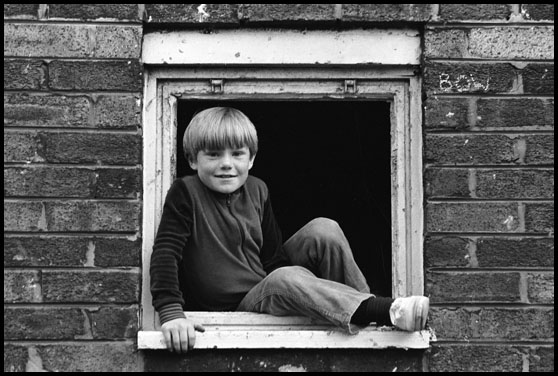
(272, 254)
(172, 234)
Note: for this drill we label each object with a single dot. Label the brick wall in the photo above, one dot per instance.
(72, 184)
(489, 186)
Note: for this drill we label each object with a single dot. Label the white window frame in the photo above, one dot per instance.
(286, 65)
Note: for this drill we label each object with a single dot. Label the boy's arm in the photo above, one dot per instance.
(172, 234)
(272, 254)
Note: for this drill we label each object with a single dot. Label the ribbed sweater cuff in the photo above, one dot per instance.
(170, 312)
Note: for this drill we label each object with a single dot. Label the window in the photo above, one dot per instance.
(362, 121)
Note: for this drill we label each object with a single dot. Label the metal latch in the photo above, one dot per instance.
(217, 86)
(350, 86)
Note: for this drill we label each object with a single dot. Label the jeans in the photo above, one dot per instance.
(324, 282)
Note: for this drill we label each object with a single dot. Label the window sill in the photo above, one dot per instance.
(242, 330)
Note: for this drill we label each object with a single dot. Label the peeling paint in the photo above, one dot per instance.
(42, 224)
(90, 254)
(509, 222)
(291, 368)
(203, 15)
(34, 363)
(462, 83)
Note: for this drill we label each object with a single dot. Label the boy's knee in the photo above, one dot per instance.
(325, 228)
(287, 275)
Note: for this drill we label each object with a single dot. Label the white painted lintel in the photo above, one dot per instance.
(278, 46)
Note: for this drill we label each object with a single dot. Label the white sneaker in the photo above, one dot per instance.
(409, 313)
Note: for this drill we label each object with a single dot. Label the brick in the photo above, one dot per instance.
(118, 41)
(539, 217)
(70, 216)
(22, 286)
(472, 217)
(445, 287)
(512, 43)
(22, 147)
(90, 286)
(473, 149)
(538, 12)
(15, 356)
(29, 110)
(474, 12)
(22, 74)
(515, 113)
(387, 12)
(446, 252)
(474, 358)
(92, 216)
(72, 41)
(538, 79)
(447, 113)
(540, 149)
(98, 356)
(118, 183)
(514, 184)
(24, 216)
(540, 288)
(45, 251)
(114, 322)
(98, 12)
(117, 112)
(504, 253)
(42, 181)
(48, 40)
(111, 252)
(189, 14)
(442, 78)
(92, 148)
(43, 323)
(446, 183)
(71, 251)
(541, 359)
(21, 11)
(98, 75)
(445, 43)
(488, 323)
(286, 12)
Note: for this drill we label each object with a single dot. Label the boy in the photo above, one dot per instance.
(219, 244)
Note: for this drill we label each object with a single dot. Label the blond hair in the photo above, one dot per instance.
(218, 128)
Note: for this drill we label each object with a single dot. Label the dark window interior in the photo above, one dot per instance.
(322, 158)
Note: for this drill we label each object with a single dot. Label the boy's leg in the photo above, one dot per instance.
(294, 290)
(321, 247)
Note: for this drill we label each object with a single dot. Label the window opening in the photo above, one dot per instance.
(322, 158)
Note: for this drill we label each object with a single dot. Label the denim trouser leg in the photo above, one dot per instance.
(325, 283)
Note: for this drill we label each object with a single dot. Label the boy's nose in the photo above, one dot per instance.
(226, 162)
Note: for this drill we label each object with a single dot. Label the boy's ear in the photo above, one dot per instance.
(251, 161)
(193, 163)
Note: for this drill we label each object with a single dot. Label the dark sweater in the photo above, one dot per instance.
(212, 246)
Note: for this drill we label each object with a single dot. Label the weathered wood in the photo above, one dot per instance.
(393, 83)
(267, 338)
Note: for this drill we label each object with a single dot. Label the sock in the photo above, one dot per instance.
(373, 309)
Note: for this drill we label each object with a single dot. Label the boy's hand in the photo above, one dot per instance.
(180, 334)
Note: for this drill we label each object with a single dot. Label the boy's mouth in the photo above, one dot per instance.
(225, 176)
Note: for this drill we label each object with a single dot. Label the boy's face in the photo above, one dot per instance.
(224, 170)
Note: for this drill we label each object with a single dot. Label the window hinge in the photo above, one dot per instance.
(350, 86)
(217, 86)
